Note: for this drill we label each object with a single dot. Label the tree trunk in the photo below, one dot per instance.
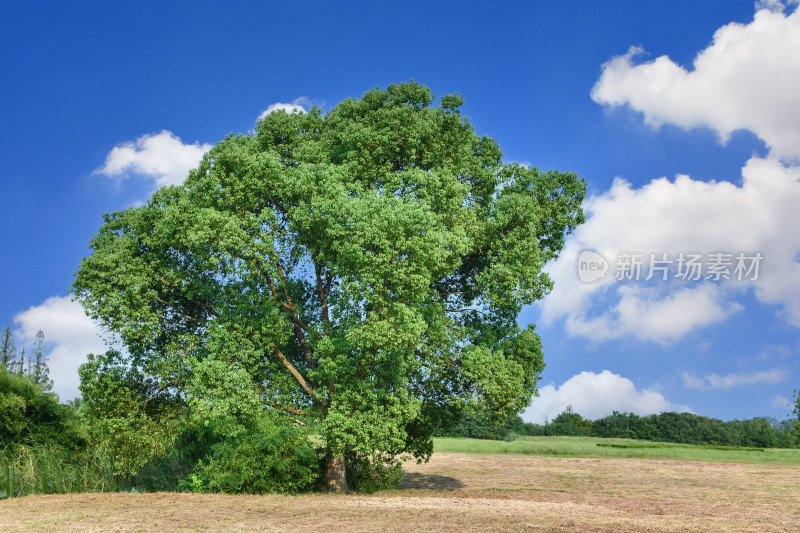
(335, 474)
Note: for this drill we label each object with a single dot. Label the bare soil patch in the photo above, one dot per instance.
(463, 492)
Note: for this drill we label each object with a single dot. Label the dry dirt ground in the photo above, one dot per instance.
(461, 492)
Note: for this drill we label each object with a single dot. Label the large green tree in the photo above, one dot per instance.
(363, 268)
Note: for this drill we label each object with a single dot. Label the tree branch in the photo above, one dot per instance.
(288, 305)
(272, 289)
(177, 310)
(298, 376)
(427, 355)
(205, 305)
(301, 338)
(298, 325)
(287, 408)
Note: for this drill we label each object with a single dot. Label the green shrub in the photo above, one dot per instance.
(534, 430)
(481, 425)
(569, 423)
(29, 415)
(194, 483)
(367, 475)
(271, 456)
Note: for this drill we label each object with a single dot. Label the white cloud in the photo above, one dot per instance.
(161, 157)
(774, 351)
(650, 314)
(715, 381)
(780, 402)
(595, 396)
(297, 105)
(72, 334)
(683, 215)
(704, 346)
(774, 5)
(748, 78)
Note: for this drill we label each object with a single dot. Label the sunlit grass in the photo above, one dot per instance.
(621, 448)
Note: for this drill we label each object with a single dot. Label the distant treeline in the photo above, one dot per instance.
(681, 428)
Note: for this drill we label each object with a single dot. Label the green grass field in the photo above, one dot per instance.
(622, 448)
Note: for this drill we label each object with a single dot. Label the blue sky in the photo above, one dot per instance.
(103, 102)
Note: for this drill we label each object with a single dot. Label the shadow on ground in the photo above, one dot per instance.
(415, 480)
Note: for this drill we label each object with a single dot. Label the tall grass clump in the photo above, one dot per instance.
(53, 469)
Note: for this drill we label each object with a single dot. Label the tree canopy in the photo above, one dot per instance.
(361, 269)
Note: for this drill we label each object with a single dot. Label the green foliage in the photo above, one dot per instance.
(683, 428)
(131, 417)
(170, 471)
(569, 423)
(44, 447)
(371, 474)
(271, 456)
(51, 468)
(195, 484)
(626, 425)
(482, 425)
(534, 430)
(33, 367)
(158, 442)
(38, 370)
(28, 415)
(127, 434)
(363, 268)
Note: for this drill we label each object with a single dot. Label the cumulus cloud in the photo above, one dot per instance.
(715, 381)
(297, 105)
(748, 78)
(774, 5)
(780, 402)
(595, 396)
(161, 157)
(72, 335)
(651, 314)
(683, 215)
